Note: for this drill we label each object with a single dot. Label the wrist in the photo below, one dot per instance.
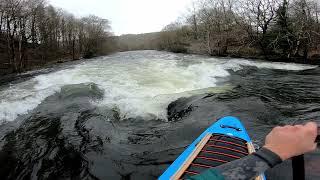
(282, 154)
(271, 158)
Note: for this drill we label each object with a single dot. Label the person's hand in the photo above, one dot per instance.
(290, 141)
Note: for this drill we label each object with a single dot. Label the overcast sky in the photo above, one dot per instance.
(128, 16)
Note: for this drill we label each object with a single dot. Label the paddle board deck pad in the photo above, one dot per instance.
(224, 141)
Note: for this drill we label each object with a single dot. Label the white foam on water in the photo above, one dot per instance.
(136, 83)
(273, 65)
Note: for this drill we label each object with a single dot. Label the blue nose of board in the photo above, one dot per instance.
(228, 127)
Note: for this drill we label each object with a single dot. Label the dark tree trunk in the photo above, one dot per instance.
(73, 49)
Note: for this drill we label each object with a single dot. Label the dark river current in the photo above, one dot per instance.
(129, 115)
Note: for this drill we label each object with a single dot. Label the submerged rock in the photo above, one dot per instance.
(51, 143)
(90, 90)
(68, 137)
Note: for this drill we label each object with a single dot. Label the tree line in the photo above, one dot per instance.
(274, 29)
(33, 33)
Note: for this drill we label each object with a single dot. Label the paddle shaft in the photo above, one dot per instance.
(298, 169)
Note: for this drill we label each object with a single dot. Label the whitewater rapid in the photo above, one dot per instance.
(137, 84)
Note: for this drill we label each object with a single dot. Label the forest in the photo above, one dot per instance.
(34, 33)
(279, 30)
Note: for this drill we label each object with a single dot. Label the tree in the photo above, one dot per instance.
(262, 28)
(214, 22)
(174, 38)
(260, 14)
(304, 25)
(37, 33)
(284, 40)
(95, 34)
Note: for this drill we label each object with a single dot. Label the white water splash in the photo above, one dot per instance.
(139, 83)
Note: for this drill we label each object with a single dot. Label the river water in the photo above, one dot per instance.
(129, 115)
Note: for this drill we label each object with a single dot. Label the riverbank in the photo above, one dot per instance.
(311, 61)
(171, 41)
(6, 78)
(247, 54)
(48, 67)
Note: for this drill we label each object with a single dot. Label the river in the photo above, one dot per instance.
(130, 114)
